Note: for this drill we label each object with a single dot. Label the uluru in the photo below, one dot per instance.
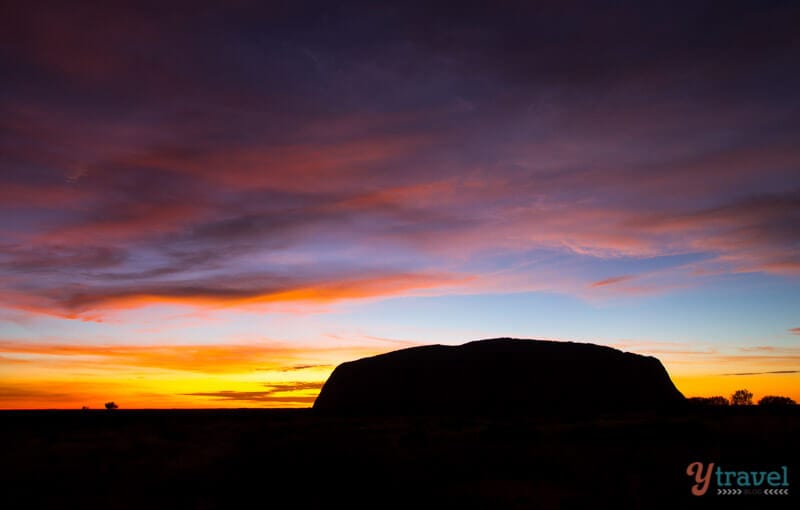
(500, 375)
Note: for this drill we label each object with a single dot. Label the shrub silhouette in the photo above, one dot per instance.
(742, 398)
(717, 400)
(111, 406)
(772, 400)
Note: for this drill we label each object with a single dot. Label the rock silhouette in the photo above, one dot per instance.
(499, 376)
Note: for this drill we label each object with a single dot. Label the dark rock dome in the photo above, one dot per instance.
(499, 376)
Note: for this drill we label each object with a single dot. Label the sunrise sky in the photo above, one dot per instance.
(212, 207)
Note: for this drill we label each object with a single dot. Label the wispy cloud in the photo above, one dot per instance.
(208, 359)
(24, 394)
(611, 281)
(80, 301)
(772, 372)
(292, 392)
(305, 367)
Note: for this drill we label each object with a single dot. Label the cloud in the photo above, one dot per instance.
(55, 258)
(277, 393)
(755, 233)
(772, 372)
(207, 359)
(419, 157)
(305, 367)
(611, 281)
(256, 396)
(795, 331)
(13, 393)
(257, 290)
(280, 387)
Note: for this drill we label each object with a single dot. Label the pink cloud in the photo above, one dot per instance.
(611, 281)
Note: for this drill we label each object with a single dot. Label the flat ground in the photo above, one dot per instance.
(298, 459)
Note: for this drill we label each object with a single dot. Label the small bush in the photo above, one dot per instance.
(111, 406)
(718, 400)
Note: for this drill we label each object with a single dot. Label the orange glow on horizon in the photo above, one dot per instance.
(67, 376)
(233, 376)
(761, 385)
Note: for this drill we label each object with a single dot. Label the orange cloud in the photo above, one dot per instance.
(278, 393)
(88, 303)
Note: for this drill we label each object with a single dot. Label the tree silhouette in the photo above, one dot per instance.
(772, 400)
(111, 406)
(717, 400)
(742, 398)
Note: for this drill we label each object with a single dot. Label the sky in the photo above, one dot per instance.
(212, 206)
